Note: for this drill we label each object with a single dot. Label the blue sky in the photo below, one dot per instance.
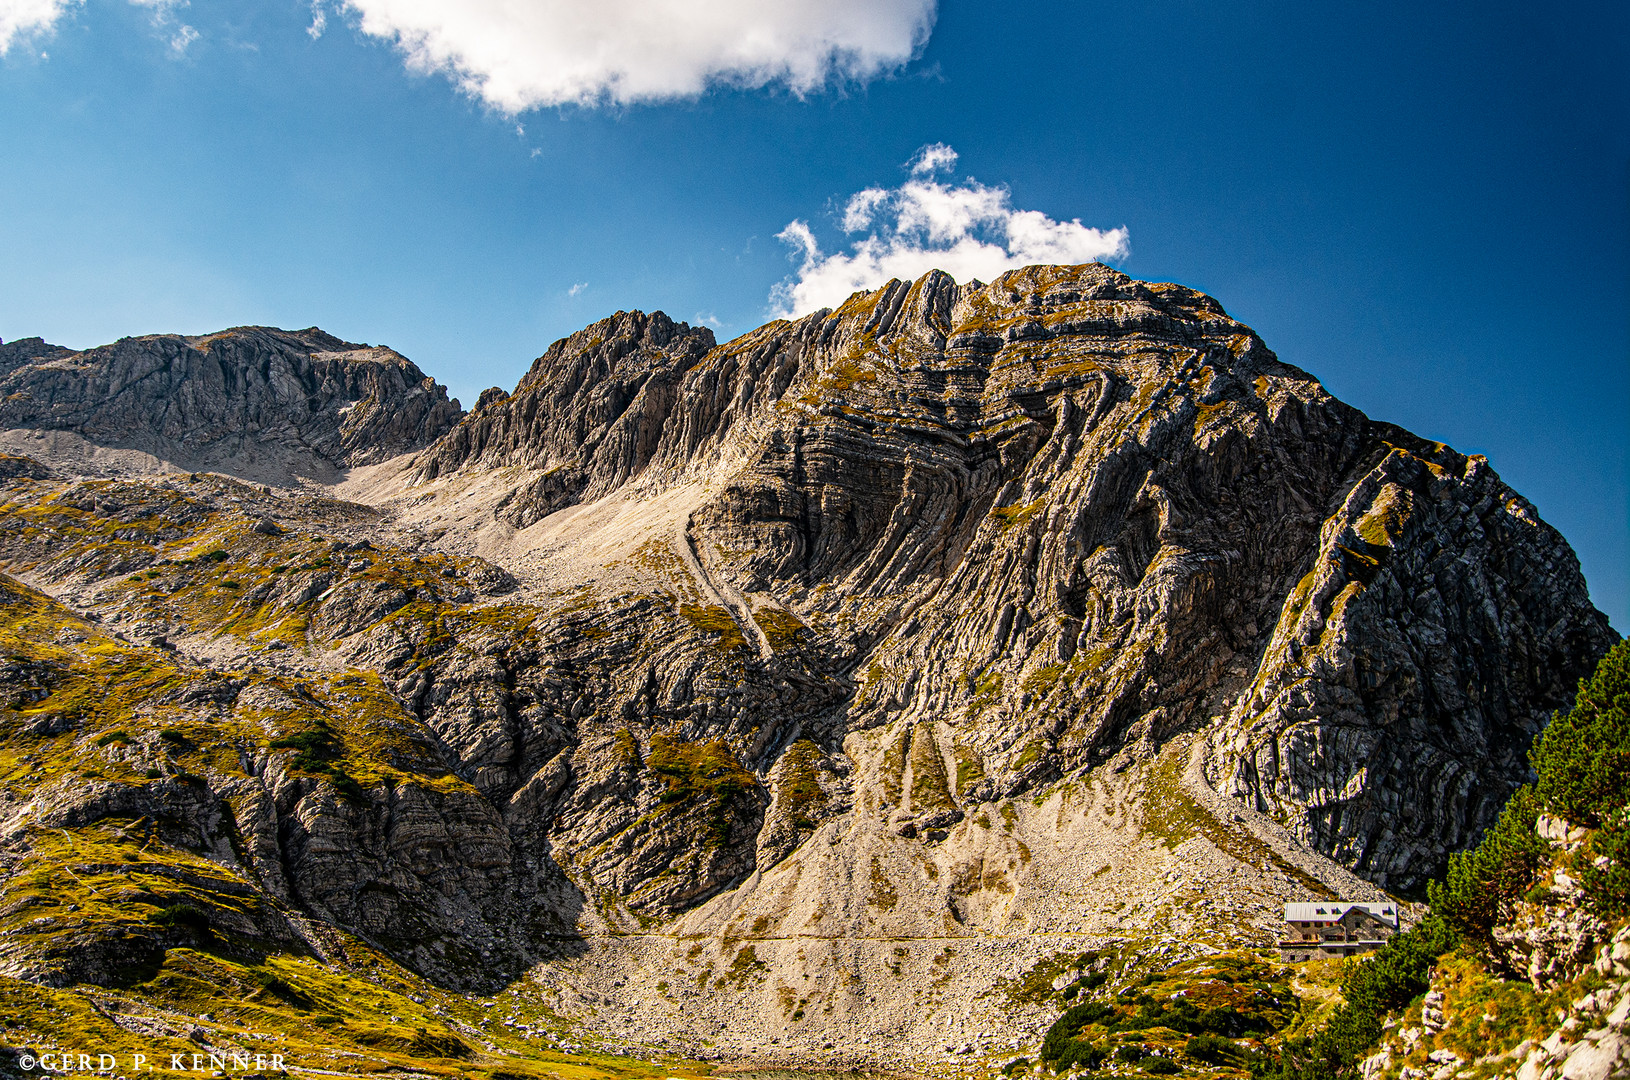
(1428, 209)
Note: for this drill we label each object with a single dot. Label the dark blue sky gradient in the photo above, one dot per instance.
(1427, 206)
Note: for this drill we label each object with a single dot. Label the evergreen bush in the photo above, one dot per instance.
(1583, 758)
(1481, 884)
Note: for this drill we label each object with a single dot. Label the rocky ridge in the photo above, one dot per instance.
(823, 686)
(268, 402)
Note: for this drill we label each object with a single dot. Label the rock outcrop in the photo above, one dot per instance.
(588, 415)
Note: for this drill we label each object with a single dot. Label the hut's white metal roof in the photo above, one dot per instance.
(1331, 910)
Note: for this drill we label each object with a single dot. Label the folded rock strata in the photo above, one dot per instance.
(846, 671)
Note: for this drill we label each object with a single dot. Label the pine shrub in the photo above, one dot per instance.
(1583, 758)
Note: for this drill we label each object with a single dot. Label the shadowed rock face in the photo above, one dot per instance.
(305, 393)
(765, 640)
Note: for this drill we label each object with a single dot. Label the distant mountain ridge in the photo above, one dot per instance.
(826, 684)
(302, 395)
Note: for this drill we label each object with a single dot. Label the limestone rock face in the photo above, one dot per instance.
(305, 393)
(827, 683)
(1410, 668)
(20, 351)
(1071, 514)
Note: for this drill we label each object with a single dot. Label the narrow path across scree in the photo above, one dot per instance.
(721, 593)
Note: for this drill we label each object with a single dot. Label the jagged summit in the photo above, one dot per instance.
(879, 658)
(587, 414)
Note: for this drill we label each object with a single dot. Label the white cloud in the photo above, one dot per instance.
(21, 19)
(933, 158)
(319, 20)
(968, 230)
(521, 54)
(575, 289)
(180, 36)
(184, 36)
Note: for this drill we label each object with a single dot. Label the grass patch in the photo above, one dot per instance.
(1007, 517)
(701, 773)
(715, 620)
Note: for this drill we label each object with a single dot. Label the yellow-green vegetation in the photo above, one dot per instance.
(1385, 519)
(1060, 364)
(1007, 517)
(1210, 1013)
(883, 896)
(120, 883)
(196, 939)
(697, 768)
(745, 967)
(987, 690)
(514, 621)
(1032, 752)
(860, 305)
(713, 619)
(1035, 986)
(1205, 414)
(1318, 985)
(63, 523)
(998, 308)
(700, 773)
(846, 372)
(799, 790)
(783, 629)
(929, 787)
(1043, 679)
(1297, 602)
(172, 556)
(349, 724)
(77, 680)
(1490, 1015)
(1085, 664)
(894, 763)
(357, 1014)
(657, 556)
(970, 767)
